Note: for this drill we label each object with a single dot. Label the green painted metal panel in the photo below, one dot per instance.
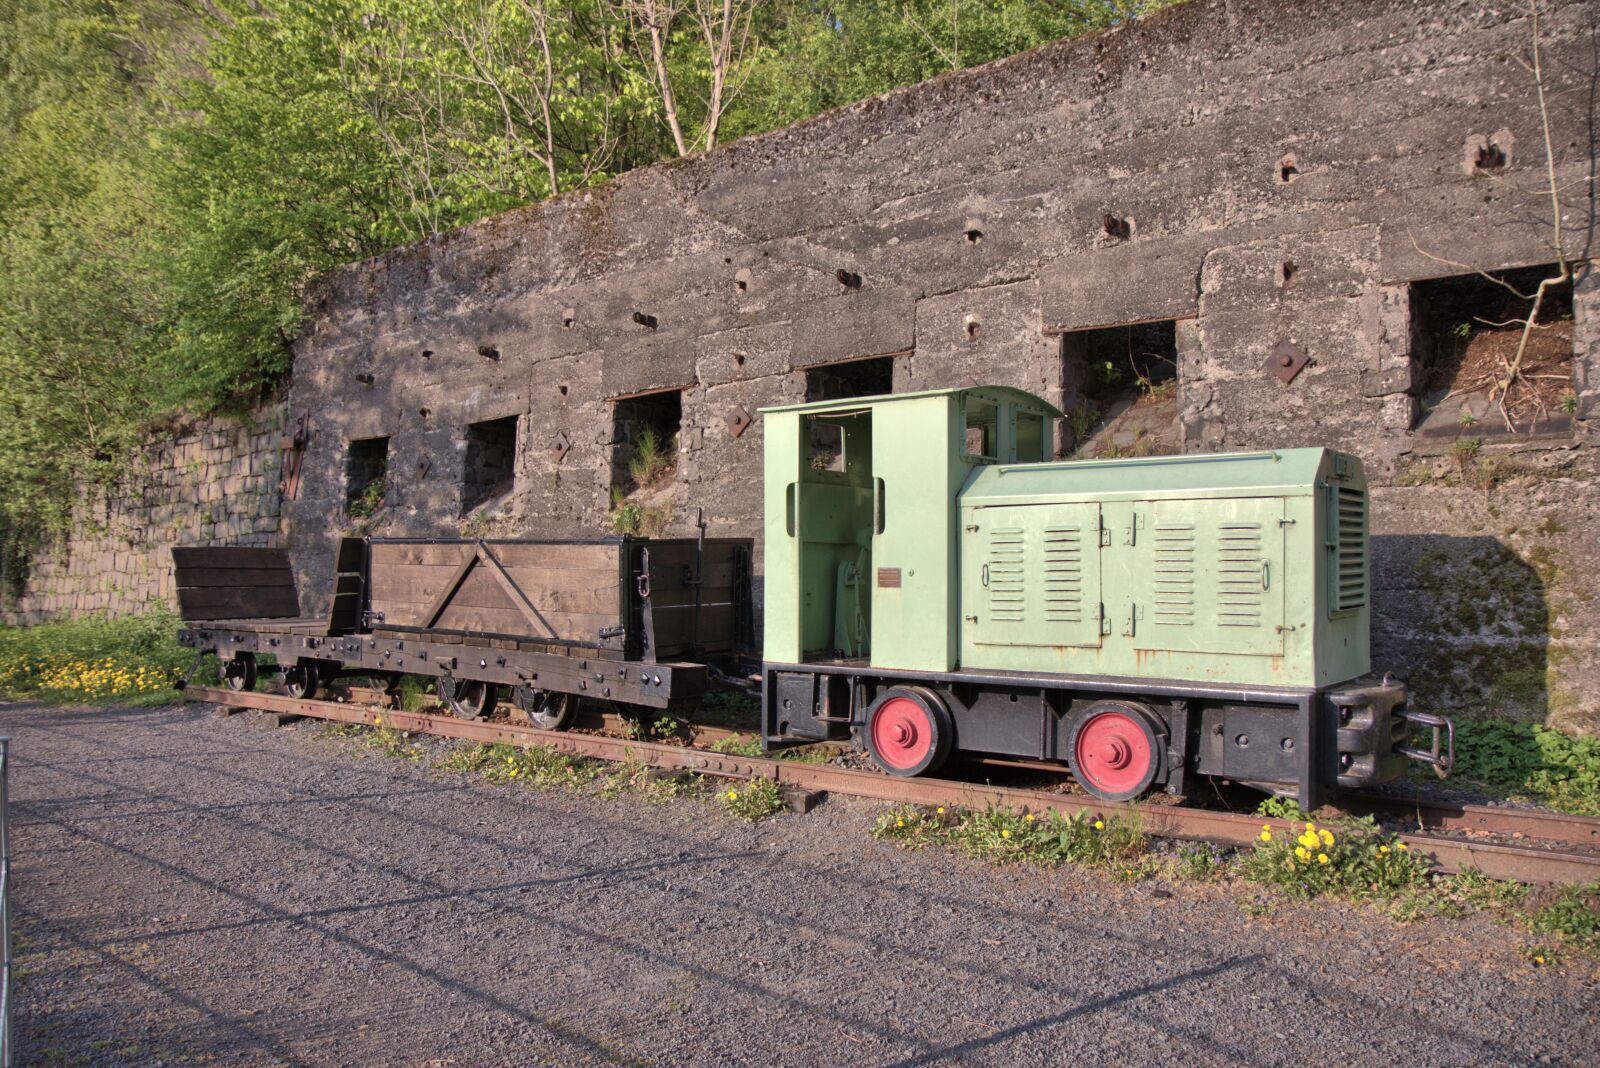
(1031, 574)
(780, 543)
(1212, 576)
(914, 597)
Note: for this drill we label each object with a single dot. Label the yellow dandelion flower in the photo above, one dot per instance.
(733, 795)
(1029, 817)
(1401, 846)
(1302, 852)
(1266, 836)
(1383, 849)
(1005, 834)
(1312, 827)
(899, 823)
(1538, 960)
(1266, 826)
(1327, 837)
(1099, 825)
(940, 810)
(1322, 858)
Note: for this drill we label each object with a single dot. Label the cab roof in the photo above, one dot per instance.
(846, 404)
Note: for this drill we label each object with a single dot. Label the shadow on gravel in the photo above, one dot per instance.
(270, 913)
(237, 1033)
(1112, 1001)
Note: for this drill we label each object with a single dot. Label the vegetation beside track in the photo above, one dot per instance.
(1532, 762)
(1349, 859)
(1364, 864)
(132, 660)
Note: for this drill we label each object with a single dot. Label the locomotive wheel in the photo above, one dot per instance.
(1114, 750)
(547, 709)
(909, 731)
(240, 672)
(472, 699)
(301, 680)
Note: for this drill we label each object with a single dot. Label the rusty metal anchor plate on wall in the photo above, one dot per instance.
(1286, 361)
(560, 446)
(737, 420)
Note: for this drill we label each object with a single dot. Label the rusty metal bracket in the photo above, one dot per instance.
(560, 446)
(1286, 360)
(737, 420)
(294, 453)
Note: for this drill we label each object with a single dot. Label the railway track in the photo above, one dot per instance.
(1545, 847)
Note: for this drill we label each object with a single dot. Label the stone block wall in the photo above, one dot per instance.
(213, 482)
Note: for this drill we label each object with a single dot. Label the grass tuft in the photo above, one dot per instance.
(754, 800)
(1009, 835)
(1352, 858)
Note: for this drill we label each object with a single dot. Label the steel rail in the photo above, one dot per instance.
(1496, 860)
(1432, 814)
(586, 719)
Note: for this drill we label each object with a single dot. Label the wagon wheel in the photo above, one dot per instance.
(471, 699)
(1114, 750)
(240, 672)
(547, 709)
(908, 731)
(301, 680)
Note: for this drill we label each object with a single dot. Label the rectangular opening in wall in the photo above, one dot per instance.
(645, 431)
(366, 476)
(1466, 333)
(871, 377)
(1127, 396)
(488, 471)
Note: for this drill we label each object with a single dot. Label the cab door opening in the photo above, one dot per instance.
(834, 517)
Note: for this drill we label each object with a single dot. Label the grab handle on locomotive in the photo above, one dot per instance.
(1441, 755)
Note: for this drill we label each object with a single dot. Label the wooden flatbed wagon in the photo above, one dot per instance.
(634, 621)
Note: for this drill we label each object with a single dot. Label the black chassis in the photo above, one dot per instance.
(653, 685)
(1289, 741)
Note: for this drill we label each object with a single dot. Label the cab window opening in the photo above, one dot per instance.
(982, 437)
(826, 447)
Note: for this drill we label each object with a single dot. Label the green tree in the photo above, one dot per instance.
(79, 307)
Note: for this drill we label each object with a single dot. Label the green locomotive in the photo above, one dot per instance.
(935, 582)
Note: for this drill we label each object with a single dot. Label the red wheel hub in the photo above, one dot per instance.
(1112, 753)
(901, 732)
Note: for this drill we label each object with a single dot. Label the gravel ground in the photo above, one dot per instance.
(219, 891)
